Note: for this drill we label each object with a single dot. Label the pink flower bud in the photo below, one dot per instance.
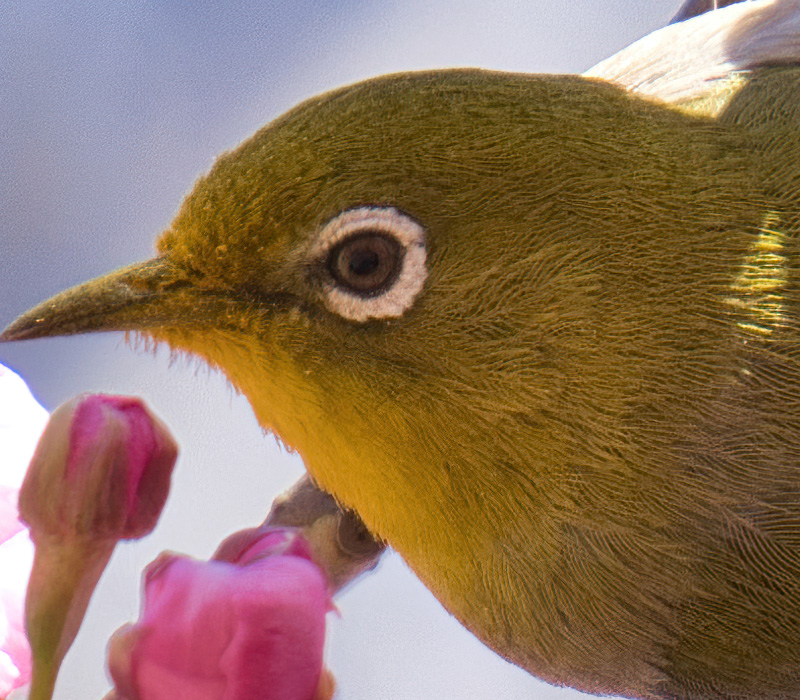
(246, 628)
(102, 469)
(100, 473)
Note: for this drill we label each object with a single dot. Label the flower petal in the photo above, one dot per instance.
(22, 420)
(225, 631)
(9, 675)
(9, 514)
(16, 558)
(280, 604)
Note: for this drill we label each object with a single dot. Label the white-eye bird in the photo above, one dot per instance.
(541, 332)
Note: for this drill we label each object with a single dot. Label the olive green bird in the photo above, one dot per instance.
(541, 332)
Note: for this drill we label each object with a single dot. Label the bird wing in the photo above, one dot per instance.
(692, 8)
(698, 64)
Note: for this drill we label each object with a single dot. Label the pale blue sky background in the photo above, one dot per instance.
(108, 112)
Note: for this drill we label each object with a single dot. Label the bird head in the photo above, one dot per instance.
(410, 277)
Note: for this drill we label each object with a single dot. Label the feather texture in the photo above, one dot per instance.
(689, 60)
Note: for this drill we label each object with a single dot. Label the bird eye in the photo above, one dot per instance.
(374, 262)
(366, 263)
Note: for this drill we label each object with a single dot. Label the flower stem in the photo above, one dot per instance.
(64, 575)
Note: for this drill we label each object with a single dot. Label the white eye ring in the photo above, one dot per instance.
(404, 284)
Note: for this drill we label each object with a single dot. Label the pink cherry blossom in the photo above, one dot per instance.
(21, 422)
(249, 627)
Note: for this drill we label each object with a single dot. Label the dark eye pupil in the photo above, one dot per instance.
(366, 263)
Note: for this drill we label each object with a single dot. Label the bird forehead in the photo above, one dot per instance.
(426, 143)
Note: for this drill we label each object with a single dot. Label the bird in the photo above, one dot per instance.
(540, 332)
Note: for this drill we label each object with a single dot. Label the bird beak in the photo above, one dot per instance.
(144, 296)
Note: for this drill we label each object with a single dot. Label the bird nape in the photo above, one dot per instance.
(542, 334)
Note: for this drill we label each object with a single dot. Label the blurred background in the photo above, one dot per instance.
(108, 113)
